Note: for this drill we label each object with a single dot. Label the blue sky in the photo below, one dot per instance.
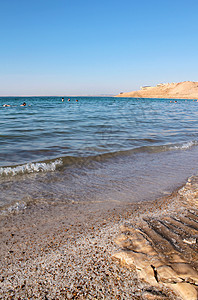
(67, 47)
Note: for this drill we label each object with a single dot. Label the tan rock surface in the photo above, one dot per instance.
(181, 90)
(156, 245)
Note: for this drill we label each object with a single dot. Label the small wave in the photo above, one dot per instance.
(16, 207)
(30, 168)
(81, 161)
(184, 146)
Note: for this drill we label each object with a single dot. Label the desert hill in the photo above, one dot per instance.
(181, 90)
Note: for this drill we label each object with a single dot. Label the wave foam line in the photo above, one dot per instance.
(30, 168)
(185, 146)
(17, 207)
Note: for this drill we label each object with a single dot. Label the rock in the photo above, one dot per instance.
(161, 249)
(167, 275)
(185, 290)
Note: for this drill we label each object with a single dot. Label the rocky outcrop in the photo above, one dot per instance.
(164, 248)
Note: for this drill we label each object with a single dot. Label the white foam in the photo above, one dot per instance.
(17, 207)
(30, 168)
(184, 146)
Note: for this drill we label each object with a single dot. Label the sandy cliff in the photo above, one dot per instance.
(181, 90)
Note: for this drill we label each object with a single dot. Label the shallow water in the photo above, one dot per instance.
(106, 150)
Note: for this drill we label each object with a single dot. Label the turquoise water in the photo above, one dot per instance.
(50, 141)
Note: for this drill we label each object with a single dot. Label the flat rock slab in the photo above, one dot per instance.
(163, 246)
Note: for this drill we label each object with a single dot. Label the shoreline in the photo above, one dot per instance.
(67, 254)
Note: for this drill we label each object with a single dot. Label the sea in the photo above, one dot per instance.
(106, 150)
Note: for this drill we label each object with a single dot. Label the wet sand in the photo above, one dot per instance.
(73, 252)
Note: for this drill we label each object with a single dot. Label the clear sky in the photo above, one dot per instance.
(90, 47)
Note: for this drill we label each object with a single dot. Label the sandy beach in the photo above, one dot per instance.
(75, 253)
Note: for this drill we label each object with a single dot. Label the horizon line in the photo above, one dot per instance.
(99, 95)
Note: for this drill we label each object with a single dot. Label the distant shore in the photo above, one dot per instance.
(181, 90)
